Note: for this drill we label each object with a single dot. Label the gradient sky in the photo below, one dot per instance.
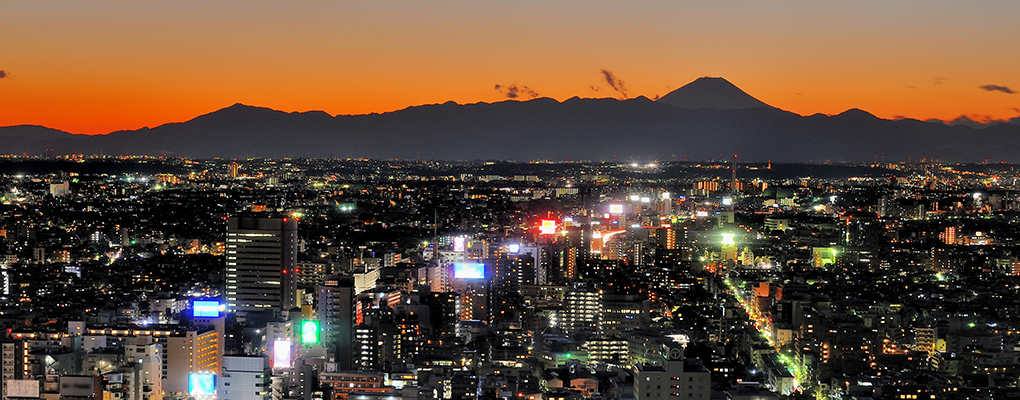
(99, 66)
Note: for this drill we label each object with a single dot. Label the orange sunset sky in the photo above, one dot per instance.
(98, 66)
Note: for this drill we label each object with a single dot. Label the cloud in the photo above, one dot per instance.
(939, 80)
(614, 82)
(1016, 109)
(514, 91)
(997, 88)
(3, 74)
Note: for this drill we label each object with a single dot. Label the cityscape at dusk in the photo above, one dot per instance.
(531, 200)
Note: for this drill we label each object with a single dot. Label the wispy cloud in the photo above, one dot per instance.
(514, 91)
(3, 74)
(615, 83)
(997, 88)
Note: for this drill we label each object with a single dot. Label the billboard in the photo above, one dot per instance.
(77, 386)
(310, 332)
(513, 248)
(281, 354)
(548, 227)
(23, 388)
(205, 309)
(469, 271)
(458, 243)
(200, 384)
(616, 208)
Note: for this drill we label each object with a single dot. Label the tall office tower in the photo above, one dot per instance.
(336, 314)
(261, 262)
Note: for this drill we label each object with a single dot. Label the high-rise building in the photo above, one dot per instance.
(443, 314)
(515, 270)
(336, 314)
(367, 346)
(948, 236)
(582, 309)
(261, 263)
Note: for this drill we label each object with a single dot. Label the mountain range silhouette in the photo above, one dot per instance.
(709, 118)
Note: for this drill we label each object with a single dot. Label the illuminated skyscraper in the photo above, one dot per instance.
(261, 262)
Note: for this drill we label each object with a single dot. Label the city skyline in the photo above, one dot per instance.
(96, 68)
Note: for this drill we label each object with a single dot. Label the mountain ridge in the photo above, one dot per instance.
(543, 128)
